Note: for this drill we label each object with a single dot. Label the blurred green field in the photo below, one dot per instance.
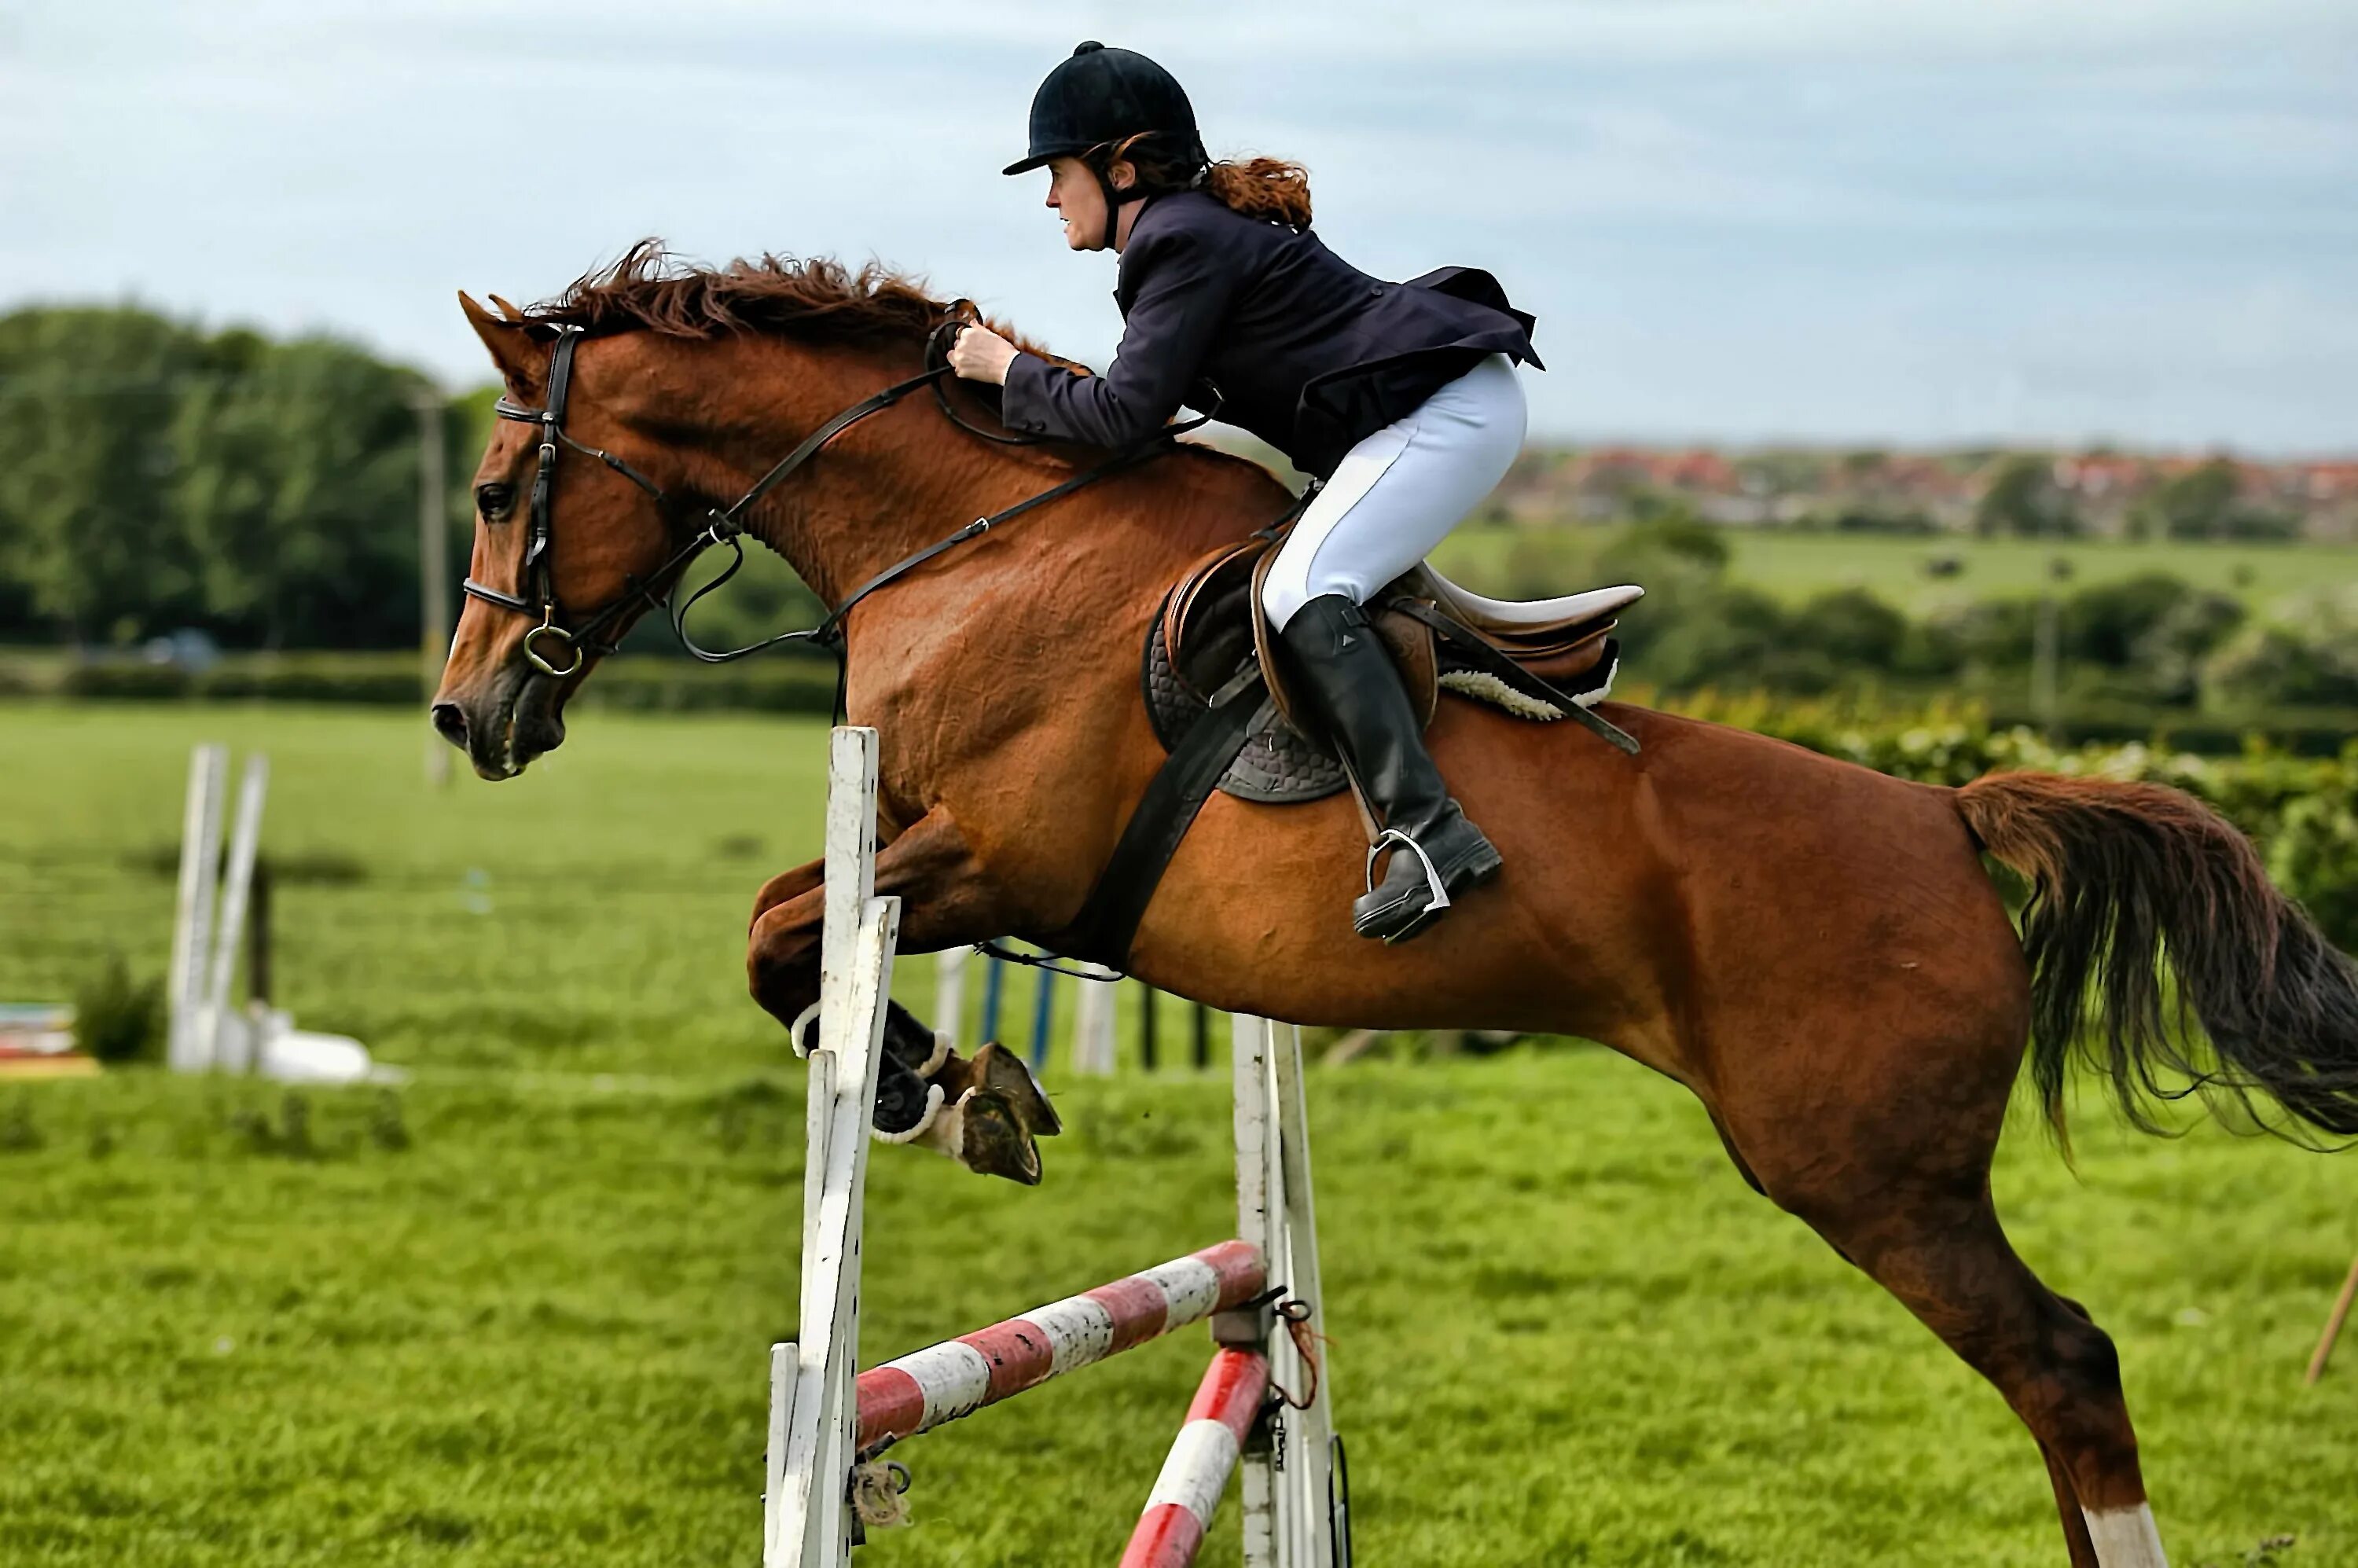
(1794, 564)
(518, 1311)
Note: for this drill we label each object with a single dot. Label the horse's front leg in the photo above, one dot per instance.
(985, 1112)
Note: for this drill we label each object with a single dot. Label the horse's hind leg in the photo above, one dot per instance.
(984, 1111)
(1949, 1263)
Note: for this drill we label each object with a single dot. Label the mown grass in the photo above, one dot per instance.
(1795, 564)
(517, 1313)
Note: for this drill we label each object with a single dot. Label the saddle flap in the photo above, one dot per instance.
(1408, 641)
(1204, 610)
(1564, 663)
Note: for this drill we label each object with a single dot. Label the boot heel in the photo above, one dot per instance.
(1479, 868)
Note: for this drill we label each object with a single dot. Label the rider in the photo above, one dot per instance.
(1402, 398)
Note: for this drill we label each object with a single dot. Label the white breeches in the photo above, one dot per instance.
(1400, 490)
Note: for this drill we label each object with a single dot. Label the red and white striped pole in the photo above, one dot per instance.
(942, 1382)
(1179, 1509)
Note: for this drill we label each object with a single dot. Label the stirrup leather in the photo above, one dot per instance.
(1431, 877)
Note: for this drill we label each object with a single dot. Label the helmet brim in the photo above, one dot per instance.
(1040, 157)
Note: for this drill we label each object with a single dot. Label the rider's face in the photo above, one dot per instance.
(1079, 201)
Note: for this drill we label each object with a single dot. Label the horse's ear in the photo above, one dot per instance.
(514, 353)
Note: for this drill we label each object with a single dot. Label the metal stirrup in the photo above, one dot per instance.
(1431, 877)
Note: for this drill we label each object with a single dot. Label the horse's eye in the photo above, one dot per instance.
(493, 499)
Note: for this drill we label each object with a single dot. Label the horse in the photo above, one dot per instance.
(1816, 951)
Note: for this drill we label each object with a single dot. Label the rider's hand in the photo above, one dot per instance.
(981, 354)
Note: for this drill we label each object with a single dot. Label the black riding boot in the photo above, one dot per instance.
(1349, 676)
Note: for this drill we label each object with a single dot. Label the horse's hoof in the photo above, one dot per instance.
(1002, 1073)
(994, 1140)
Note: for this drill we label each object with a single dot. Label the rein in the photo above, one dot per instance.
(726, 525)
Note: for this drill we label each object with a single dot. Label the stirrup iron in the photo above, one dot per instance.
(1431, 877)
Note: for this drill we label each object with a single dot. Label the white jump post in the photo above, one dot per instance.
(1294, 1515)
(949, 991)
(237, 887)
(825, 1415)
(200, 823)
(209, 923)
(814, 1408)
(1093, 1020)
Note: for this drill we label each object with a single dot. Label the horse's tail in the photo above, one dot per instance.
(2121, 873)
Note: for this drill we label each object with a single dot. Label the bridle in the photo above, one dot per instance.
(726, 525)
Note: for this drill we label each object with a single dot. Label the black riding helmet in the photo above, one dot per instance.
(1101, 97)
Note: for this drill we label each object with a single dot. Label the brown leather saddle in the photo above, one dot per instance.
(1541, 661)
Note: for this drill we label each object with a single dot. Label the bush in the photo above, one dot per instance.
(2103, 625)
(1852, 626)
(1717, 636)
(2314, 858)
(2309, 657)
(2168, 655)
(117, 1019)
(1991, 634)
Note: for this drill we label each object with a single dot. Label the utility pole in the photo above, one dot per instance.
(433, 568)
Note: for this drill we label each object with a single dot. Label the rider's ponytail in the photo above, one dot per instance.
(1264, 187)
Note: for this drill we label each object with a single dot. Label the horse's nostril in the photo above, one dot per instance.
(450, 723)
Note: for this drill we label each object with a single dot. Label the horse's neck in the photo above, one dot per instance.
(905, 478)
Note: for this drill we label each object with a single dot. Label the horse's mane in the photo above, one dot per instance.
(817, 299)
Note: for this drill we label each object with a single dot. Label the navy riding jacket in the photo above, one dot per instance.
(1264, 326)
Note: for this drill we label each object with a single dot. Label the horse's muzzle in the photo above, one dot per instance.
(501, 733)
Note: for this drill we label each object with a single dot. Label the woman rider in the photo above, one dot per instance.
(1400, 398)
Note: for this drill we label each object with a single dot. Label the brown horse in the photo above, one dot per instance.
(1811, 948)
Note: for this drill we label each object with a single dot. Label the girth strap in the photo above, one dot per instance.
(1109, 917)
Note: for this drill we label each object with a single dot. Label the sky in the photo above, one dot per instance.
(1850, 221)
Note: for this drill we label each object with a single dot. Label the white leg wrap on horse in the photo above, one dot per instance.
(2125, 1537)
(802, 1019)
(925, 1122)
(933, 1064)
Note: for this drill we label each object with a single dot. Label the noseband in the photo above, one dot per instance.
(726, 525)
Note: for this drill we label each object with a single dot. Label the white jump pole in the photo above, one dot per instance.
(1093, 1019)
(193, 909)
(806, 1516)
(1286, 1511)
(245, 840)
(949, 991)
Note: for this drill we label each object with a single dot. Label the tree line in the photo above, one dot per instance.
(159, 476)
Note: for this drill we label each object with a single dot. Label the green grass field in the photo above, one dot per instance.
(518, 1311)
(1794, 565)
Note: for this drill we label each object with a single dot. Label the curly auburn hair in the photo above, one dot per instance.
(1266, 188)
